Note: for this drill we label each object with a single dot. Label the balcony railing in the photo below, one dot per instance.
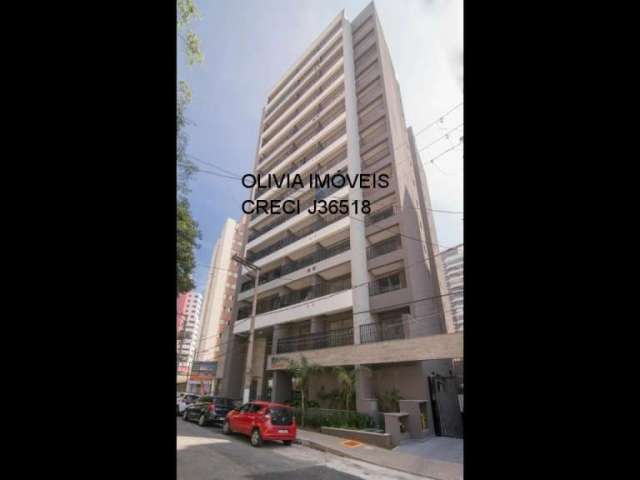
(302, 121)
(306, 129)
(386, 246)
(299, 296)
(290, 238)
(392, 329)
(314, 73)
(283, 217)
(314, 341)
(319, 90)
(302, 64)
(390, 283)
(290, 267)
(380, 215)
(328, 164)
(310, 154)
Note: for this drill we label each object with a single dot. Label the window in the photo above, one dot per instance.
(387, 284)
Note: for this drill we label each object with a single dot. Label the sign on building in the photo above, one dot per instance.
(203, 371)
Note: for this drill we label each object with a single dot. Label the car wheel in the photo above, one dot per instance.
(226, 428)
(287, 442)
(185, 416)
(256, 439)
(202, 420)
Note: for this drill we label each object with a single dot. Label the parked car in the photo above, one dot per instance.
(183, 400)
(262, 421)
(208, 410)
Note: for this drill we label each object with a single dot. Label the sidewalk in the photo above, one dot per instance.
(435, 469)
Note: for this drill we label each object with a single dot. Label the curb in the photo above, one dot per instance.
(322, 448)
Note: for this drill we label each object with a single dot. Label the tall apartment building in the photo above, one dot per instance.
(188, 331)
(453, 261)
(219, 297)
(341, 290)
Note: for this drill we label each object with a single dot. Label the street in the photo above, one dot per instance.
(204, 453)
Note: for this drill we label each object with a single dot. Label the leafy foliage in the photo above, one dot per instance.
(187, 228)
(187, 12)
(188, 235)
(347, 381)
(388, 402)
(317, 418)
(302, 371)
(185, 167)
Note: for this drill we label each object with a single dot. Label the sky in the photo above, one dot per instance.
(249, 44)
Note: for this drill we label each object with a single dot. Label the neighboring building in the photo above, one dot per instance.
(343, 290)
(219, 298)
(188, 331)
(453, 261)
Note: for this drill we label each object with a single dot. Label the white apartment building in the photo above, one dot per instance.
(453, 261)
(350, 290)
(219, 297)
(187, 336)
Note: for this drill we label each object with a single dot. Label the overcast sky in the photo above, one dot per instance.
(248, 46)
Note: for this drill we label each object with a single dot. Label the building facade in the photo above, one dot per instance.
(343, 290)
(453, 261)
(188, 331)
(219, 299)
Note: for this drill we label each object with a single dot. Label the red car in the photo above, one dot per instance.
(261, 421)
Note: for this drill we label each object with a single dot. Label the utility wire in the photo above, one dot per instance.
(228, 172)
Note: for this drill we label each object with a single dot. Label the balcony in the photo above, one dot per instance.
(289, 193)
(390, 283)
(291, 267)
(296, 155)
(298, 296)
(307, 80)
(333, 81)
(386, 246)
(321, 44)
(429, 347)
(290, 238)
(401, 328)
(314, 341)
(281, 218)
(380, 215)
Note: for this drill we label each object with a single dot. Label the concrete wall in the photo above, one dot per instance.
(323, 383)
(408, 379)
(408, 350)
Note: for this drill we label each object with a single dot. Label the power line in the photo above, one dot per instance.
(440, 118)
(229, 172)
(431, 160)
(216, 174)
(446, 135)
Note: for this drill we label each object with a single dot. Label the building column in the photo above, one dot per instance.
(279, 331)
(318, 325)
(365, 401)
(359, 272)
(281, 387)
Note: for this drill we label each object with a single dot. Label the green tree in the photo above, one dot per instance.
(187, 12)
(188, 232)
(347, 380)
(303, 371)
(187, 236)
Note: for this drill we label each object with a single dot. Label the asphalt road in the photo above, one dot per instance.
(204, 453)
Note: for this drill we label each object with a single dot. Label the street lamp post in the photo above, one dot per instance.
(247, 371)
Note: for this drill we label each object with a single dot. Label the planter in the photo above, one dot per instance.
(372, 438)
